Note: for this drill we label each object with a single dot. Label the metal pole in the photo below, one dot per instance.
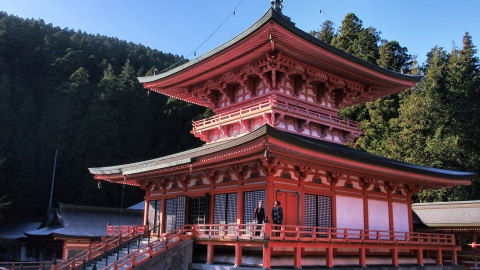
(53, 179)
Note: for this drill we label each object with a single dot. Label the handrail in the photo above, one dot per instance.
(279, 103)
(318, 234)
(119, 235)
(231, 115)
(153, 248)
(251, 231)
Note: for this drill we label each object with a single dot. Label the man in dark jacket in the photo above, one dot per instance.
(259, 217)
(277, 216)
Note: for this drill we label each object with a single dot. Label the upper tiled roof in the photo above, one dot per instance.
(272, 15)
(462, 214)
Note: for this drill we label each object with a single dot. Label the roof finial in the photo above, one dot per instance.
(277, 5)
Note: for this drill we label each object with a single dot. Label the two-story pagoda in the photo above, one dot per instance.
(276, 135)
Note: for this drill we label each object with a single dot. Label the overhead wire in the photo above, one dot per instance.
(194, 52)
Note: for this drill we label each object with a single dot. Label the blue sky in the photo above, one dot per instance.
(183, 27)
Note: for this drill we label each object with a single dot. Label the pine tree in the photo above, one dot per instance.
(327, 33)
(348, 33)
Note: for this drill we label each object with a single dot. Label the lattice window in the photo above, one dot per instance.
(225, 208)
(318, 211)
(198, 210)
(153, 213)
(171, 217)
(175, 213)
(251, 199)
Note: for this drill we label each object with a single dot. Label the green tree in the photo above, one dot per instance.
(327, 32)
(348, 33)
(394, 57)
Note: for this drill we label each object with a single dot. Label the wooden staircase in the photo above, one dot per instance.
(128, 247)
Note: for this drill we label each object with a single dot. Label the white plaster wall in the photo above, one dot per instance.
(400, 218)
(378, 217)
(349, 212)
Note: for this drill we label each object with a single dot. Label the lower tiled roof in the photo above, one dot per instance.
(320, 146)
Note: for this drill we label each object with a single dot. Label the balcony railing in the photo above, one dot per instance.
(317, 234)
(259, 233)
(280, 104)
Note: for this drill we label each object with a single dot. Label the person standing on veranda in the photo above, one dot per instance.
(277, 216)
(259, 217)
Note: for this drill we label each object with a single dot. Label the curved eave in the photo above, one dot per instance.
(347, 155)
(254, 42)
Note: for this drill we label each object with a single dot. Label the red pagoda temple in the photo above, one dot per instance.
(276, 136)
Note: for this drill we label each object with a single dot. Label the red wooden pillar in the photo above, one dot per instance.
(145, 213)
(267, 227)
(420, 257)
(270, 197)
(390, 216)
(439, 257)
(329, 256)
(297, 257)
(366, 225)
(238, 255)
(240, 208)
(362, 258)
(266, 255)
(54, 265)
(334, 212)
(454, 257)
(395, 256)
(410, 215)
(161, 224)
(65, 251)
(210, 254)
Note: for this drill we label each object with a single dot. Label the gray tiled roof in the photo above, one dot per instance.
(270, 15)
(298, 140)
(87, 221)
(16, 230)
(449, 214)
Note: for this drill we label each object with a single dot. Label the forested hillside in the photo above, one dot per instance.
(437, 123)
(78, 93)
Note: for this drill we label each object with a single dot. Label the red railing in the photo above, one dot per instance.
(119, 235)
(314, 113)
(318, 234)
(154, 248)
(227, 117)
(281, 104)
(258, 232)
